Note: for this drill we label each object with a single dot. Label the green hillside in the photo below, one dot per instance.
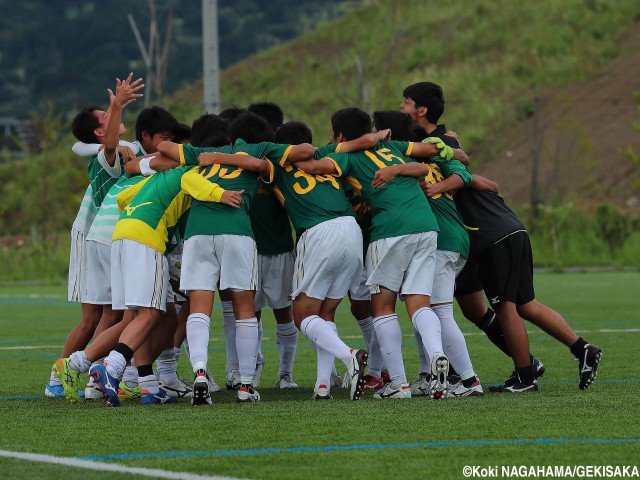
(486, 55)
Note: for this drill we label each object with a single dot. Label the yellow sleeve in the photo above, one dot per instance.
(200, 188)
(125, 196)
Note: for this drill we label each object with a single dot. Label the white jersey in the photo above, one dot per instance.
(86, 213)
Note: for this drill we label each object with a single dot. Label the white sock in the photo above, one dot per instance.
(427, 323)
(376, 362)
(198, 335)
(424, 360)
(324, 367)
(130, 376)
(229, 324)
(287, 340)
(115, 364)
(390, 338)
(324, 336)
(79, 361)
(455, 346)
(247, 347)
(259, 357)
(150, 383)
(53, 380)
(168, 365)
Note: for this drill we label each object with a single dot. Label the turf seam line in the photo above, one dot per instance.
(108, 467)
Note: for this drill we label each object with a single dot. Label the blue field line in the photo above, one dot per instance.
(383, 446)
(22, 397)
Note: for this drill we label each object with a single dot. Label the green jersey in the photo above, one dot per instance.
(270, 223)
(102, 176)
(398, 208)
(453, 236)
(212, 218)
(309, 199)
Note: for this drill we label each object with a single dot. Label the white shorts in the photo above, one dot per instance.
(362, 292)
(404, 264)
(448, 266)
(139, 275)
(328, 260)
(95, 281)
(231, 260)
(74, 288)
(275, 274)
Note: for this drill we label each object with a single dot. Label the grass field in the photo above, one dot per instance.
(287, 435)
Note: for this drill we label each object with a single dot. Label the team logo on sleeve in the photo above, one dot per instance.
(132, 208)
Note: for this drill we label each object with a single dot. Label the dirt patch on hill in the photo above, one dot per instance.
(587, 127)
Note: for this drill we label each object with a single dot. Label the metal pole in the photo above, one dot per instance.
(210, 60)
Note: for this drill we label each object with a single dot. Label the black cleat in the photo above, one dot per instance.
(513, 379)
(588, 365)
(517, 387)
(201, 395)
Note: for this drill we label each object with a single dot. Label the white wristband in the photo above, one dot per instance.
(145, 169)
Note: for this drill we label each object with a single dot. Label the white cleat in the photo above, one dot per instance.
(233, 380)
(177, 390)
(439, 385)
(387, 392)
(286, 383)
(420, 387)
(460, 391)
(322, 393)
(247, 394)
(92, 392)
(355, 372)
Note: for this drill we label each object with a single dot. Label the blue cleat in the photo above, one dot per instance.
(148, 398)
(108, 385)
(54, 391)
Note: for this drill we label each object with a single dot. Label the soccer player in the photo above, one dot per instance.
(328, 260)
(401, 255)
(451, 255)
(500, 245)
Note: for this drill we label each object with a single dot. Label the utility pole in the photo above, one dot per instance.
(210, 59)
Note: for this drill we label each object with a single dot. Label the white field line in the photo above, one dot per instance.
(346, 337)
(108, 467)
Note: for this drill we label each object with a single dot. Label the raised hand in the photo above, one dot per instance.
(126, 153)
(126, 91)
(384, 135)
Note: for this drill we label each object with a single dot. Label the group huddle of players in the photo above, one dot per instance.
(380, 215)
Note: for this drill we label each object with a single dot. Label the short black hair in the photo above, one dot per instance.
(231, 113)
(84, 124)
(218, 139)
(351, 122)
(419, 133)
(427, 94)
(398, 122)
(251, 128)
(154, 120)
(209, 125)
(294, 133)
(181, 132)
(271, 112)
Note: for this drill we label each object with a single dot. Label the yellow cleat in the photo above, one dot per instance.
(69, 377)
(126, 392)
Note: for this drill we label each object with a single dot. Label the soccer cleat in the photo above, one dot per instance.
(285, 382)
(387, 392)
(108, 384)
(69, 377)
(246, 394)
(321, 393)
(385, 377)
(54, 391)
(420, 387)
(178, 389)
(517, 387)
(373, 383)
(201, 394)
(233, 380)
(453, 379)
(258, 373)
(148, 398)
(125, 392)
(355, 372)
(92, 392)
(439, 385)
(459, 390)
(588, 365)
(213, 386)
(513, 379)
(337, 381)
